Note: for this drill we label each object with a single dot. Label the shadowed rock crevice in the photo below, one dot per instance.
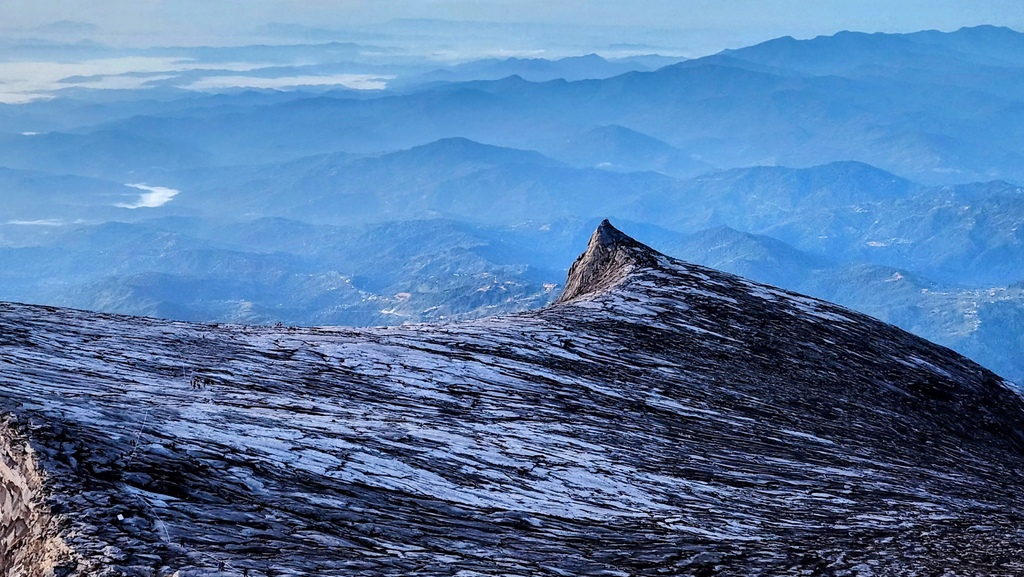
(28, 545)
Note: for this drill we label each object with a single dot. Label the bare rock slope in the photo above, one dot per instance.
(661, 418)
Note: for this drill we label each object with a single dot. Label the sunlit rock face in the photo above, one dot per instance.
(661, 418)
(29, 544)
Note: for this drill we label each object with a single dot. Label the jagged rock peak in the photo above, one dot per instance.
(610, 257)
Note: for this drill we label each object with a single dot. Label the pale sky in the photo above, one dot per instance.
(711, 24)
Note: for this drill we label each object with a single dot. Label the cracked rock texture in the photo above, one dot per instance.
(661, 418)
(29, 545)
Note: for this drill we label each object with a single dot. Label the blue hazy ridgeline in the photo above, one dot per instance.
(879, 171)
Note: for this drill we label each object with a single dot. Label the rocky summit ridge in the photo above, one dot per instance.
(610, 257)
(660, 418)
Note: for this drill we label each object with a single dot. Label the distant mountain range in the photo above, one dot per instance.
(882, 171)
(893, 101)
(590, 66)
(846, 211)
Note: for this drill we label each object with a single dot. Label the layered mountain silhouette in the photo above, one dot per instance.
(619, 148)
(661, 417)
(536, 69)
(895, 101)
(445, 219)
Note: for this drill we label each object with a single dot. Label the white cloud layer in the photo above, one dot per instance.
(153, 197)
(41, 222)
(353, 81)
(26, 81)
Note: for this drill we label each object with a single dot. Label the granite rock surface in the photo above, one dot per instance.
(660, 418)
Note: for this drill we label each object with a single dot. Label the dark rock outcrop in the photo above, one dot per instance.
(662, 418)
(29, 544)
(610, 257)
